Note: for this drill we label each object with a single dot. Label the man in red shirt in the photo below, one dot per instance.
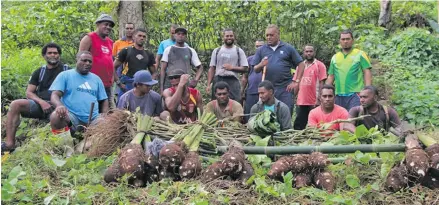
(182, 103)
(309, 87)
(328, 111)
(101, 46)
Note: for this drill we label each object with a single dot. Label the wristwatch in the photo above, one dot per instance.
(297, 81)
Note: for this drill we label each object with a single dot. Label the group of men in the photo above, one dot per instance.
(240, 87)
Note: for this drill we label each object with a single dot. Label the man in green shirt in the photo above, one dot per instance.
(350, 69)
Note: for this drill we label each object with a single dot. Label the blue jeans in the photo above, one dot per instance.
(348, 102)
(284, 96)
(250, 100)
(128, 85)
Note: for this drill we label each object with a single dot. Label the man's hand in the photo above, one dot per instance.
(184, 79)
(47, 107)
(264, 62)
(208, 88)
(123, 87)
(61, 111)
(193, 83)
(293, 87)
(228, 66)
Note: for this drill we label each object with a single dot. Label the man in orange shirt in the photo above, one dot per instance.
(328, 111)
(125, 41)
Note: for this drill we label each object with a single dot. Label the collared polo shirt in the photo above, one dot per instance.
(280, 63)
(348, 71)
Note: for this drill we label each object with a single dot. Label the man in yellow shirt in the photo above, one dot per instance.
(125, 41)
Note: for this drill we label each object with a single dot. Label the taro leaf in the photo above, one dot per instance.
(257, 159)
(80, 159)
(288, 183)
(48, 199)
(16, 172)
(352, 181)
(58, 162)
(362, 158)
(361, 131)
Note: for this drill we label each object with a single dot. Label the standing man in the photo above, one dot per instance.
(279, 57)
(134, 58)
(37, 104)
(309, 87)
(125, 41)
(182, 103)
(380, 115)
(73, 92)
(166, 43)
(100, 46)
(226, 63)
(269, 102)
(350, 69)
(328, 111)
(141, 96)
(250, 81)
(223, 106)
(179, 56)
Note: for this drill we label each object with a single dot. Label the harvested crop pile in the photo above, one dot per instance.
(417, 167)
(112, 132)
(131, 160)
(179, 159)
(264, 123)
(232, 164)
(324, 180)
(305, 169)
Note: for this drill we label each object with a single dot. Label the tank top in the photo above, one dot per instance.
(101, 50)
(186, 111)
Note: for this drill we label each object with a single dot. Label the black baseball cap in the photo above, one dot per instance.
(181, 29)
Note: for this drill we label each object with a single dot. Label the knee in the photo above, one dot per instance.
(165, 115)
(18, 105)
(55, 121)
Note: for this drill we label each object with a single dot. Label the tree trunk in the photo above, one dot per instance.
(130, 12)
(385, 13)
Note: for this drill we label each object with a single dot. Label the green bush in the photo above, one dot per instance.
(16, 69)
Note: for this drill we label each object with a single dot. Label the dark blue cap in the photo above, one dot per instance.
(144, 77)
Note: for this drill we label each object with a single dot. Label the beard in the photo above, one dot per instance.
(52, 61)
(229, 42)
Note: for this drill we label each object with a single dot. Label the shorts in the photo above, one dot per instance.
(77, 124)
(348, 102)
(35, 111)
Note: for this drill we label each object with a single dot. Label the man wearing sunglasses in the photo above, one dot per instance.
(37, 105)
(141, 96)
(73, 92)
(100, 47)
(182, 103)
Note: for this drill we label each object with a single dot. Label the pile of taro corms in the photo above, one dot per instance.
(419, 166)
(307, 169)
(177, 158)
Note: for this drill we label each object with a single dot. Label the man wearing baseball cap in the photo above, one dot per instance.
(179, 56)
(101, 46)
(149, 102)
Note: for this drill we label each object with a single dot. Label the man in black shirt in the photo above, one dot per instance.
(37, 104)
(133, 58)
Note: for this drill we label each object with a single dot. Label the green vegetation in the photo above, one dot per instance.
(406, 70)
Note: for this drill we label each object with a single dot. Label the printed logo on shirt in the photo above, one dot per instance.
(186, 57)
(105, 49)
(86, 88)
(306, 81)
(281, 52)
(139, 56)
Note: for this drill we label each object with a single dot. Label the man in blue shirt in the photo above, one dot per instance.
(279, 58)
(164, 44)
(73, 92)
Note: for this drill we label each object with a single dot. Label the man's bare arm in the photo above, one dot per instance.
(163, 66)
(85, 43)
(367, 77)
(104, 106)
(55, 98)
(199, 72)
(330, 80)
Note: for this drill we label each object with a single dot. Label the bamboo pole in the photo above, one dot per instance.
(282, 150)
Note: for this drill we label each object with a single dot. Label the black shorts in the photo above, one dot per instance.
(35, 111)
